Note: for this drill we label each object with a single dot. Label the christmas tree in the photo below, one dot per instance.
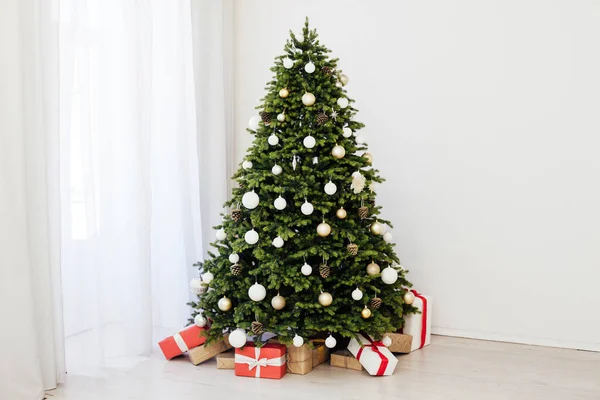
(304, 251)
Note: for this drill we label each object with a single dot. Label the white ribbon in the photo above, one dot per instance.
(258, 362)
(180, 342)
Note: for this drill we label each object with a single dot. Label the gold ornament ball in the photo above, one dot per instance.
(369, 157)
(224, 304)
(376, 228)
(323, 229)
(365, 313)
(409, 297)
(373, 268)
(344, 79)
(278, 302)
(338, 152)
(283, 93)
(341, 213)
(325, 299)
(308, 99)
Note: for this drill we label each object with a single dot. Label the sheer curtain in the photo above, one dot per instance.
(144, 146)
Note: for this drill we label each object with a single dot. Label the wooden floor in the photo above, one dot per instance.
(450, 368)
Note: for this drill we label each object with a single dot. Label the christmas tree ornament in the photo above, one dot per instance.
(265, 117)
(224, 304)
(363, 212)
(257, 328)
(369, 157)
(388, 236)
(257, 292)
(298, 341)
(322, 118)
(375, 303)
(309, 142)
(387, 341)
(325, 299)
(357, 294)
(237, 338)
(251, 236)
(288, 63)
(250, 200)
(358, 182)
(277, 242)
(339, 84)
(342, 102)
(200, 321)
(253, 122)
(308, 99)
(324, 271)
(365, 313)
(196, 286)
(323, 229)
(330, 188)
(281, 117)
(207, 277)
(330, 342)
(233, 258)
(273, 139)
(341, 213)
(315, 160)
(306, 269)
(247, 164)
(221, 235)
(360, 139)
(283, 93)
(236, 214)
(389, 275)
(326, 70)
(338, 152)
(376, 228)
(276, 170)
(278, 302)
(279, 202)
(295, 160)
(373, 268)
(309, 67)
(344, 79)
(408, 297)
(352, 249)
(307, 208)
(236, 269)
(346, 132)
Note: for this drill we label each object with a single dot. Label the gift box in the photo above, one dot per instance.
(345, 359)
(299, 359)
(419, 325)
(320, 354)
(207, 351)
(373, 355)
(401, 343)
(182, 341)
(226, 360)
(268, 361)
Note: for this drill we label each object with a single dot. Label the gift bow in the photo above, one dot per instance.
(374, 345)
(258, 362)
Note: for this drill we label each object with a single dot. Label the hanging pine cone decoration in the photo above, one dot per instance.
(257, 328)
(352, 249)
(322, 118)
(266, 117)
(326, 70)
(324, 271)
(236, 214)
(236, 269)
(363, 212)
(375, 303)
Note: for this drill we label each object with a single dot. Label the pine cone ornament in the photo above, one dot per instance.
(257, 328)
(236, 214)
(352, 249)
(266, 117)
(322, 118)
(326, 70)
(241, 185)
(375, 303)
(363, 212)
(324, 271)
(236, 269)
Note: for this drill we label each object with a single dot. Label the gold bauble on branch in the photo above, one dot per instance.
(283, 93)
(341, 213)
(338, 152)
(409, 297)
(373, 268)
(308, 99)
(369, 157)
(376, 228)
(325, 299)
(224, 304)
(365, 313)
(344, 79)
(323, 229)
(278, 302)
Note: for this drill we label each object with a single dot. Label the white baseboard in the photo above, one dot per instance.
(498, 337)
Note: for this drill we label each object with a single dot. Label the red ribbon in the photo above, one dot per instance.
(424, 319)
(375, 347)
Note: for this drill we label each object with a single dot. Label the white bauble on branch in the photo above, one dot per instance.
(200, 320)
(330, 342)
(388, 237)
(280, 203)
(309, 142)
(233, 258)
(253, 122)
(273, 139)
(288, 63)
(237, 338)
(387, 341)
(250, 200)
(251, 237)
(342, 102)
(207, 277)
(276, 170)
(298, 341)
(196, 286)
(344, 79)
(306, 269)
(247, 164)
(277, 242)
(389, 275)
(330, 188)
(338, 151)
(347, 132)
(281, 117)
(360, 139)
(409, 297)
(357, 294)
(257, 292)
(307, 208)
(221, 235)
(309, 67)
(308, 99)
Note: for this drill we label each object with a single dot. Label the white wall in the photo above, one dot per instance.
(484, 117)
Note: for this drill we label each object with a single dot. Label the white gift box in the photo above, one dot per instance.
(419, 325)
(373, 356)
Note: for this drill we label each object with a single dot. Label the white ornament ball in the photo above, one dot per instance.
(306, 269)
(207, 277)
(330, 188)
(338, 152)
(309, 68)
(196, 286)
(221, 235)
(247, 164)
(278, 242)
(347, 132)
(388, 237)
(251, 237)
(281, 117)
(233, 258)
(330, 342)
(276, 170)
(200, 321)
(278, 302)
(387, 341)
(307, 208)
(338, 84)
(298, 341)
(257, 292)
(273, 139)
(360, 139)
(308, 99)
(389, 275)
(323, 229)
(237, 338)
(288, 63)
(253, 123)
(279, 202)
(344, 79)
(409, 297)
(357, 294)
(250, 200)
(309, 142)
(224, 304)
(342, 102)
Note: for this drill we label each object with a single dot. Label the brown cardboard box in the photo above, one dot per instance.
(226, 360)
(299, 359)
(401, 343)
(206, 352)
(345, 359)
(320, 354)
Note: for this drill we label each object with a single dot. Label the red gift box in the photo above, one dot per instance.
(181, 342)
(268, 361)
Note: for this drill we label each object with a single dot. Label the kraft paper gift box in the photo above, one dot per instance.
(226, 360)
(320, 354)
(401, 343)
(299, 359)
(345, 359)
(207, 351)
(268, 361)
(182, 341)
(373, 355)
(419, 325)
